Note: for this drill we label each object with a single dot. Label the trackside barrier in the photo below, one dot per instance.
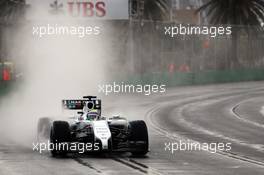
(206, 77)
(6, 77)
(5, 87)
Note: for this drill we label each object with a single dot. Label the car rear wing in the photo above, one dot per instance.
(78, 104)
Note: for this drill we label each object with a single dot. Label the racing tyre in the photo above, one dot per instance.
(138, 138)
(59, 136)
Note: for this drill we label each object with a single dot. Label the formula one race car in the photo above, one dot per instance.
(89, 131)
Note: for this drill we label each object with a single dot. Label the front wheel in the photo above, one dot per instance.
(138, 139)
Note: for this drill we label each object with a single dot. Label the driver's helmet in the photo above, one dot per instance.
(92, 115)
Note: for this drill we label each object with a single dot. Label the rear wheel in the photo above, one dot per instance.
(138, 139)
(59, 136)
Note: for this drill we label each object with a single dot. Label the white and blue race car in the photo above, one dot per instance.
(96, 132)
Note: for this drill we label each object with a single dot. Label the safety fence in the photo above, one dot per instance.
(144, 47)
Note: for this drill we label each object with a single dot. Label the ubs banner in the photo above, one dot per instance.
(94, 9)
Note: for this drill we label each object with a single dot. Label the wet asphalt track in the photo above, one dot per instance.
(229, 113)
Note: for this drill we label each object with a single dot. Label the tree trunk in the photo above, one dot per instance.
(234, 47)
(1, 43)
